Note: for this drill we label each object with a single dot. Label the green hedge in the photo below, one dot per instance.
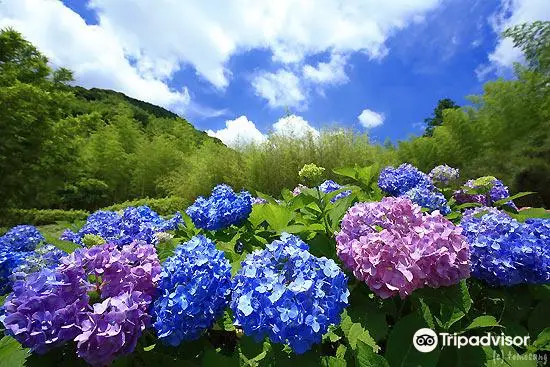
(163, 206)
(37, 217)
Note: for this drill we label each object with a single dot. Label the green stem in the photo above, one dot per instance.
(322, 206)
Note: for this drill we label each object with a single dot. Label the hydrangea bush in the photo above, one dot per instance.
(506, 252)
(134, 223)
(98, 297)
(194, 290)
(222, 209)
(288, 295)
(408, 181)
(395, 248)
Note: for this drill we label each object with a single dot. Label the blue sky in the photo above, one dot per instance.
(235, 68)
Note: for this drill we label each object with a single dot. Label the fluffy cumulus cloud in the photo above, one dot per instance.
(280, 89)
(512, 12)
(294, 127)
(238, 132)
(332, 72)
(163, 36)
(242, 131)
(95, 54)
(369, 118)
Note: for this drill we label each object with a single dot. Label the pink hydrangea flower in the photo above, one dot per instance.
(395, 248)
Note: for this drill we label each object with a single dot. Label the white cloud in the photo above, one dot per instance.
(512, 12)
(162, 36)
(293, 126)
(241, 131)
(332, 72)
(238, 132)
(280, 89)
(95, 54)
(369, 118)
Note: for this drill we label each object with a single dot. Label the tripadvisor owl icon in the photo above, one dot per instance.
(425, 340)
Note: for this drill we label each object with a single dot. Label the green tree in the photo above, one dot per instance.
(437, 117)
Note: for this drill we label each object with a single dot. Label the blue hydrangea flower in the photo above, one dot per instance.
(499, 191)
(429, 198)
(194, 291)
(222, 209)
(9, 261)
(443, 175)
(287, 294)
(134, 224)
(47, 256)
(22, 238)
(505, 252)
(397, 181)
(330, 186)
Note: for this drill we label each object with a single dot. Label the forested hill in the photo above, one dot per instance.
(142, 111)
(71, 147)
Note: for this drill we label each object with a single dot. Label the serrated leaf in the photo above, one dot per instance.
(542, 342)
(333, 362)
(365, 356)
(482, 322)
(11, 353)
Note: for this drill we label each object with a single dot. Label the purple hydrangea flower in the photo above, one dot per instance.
(222, 209)
(41, 312)
(497, 191)
(395, 248)
(51, 307)
(287, 294)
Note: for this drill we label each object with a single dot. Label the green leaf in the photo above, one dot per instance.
(538, 319)
(11, 353)
(346, 172)
(400, 350)
(366, 357)
(455, 303)
(542, 342)
(333, 362)
(213, 358)
(65, 246)
(149, 348)
(513, 197)
(338, 210)
(277, 216)
(482, 322)
(357, 333)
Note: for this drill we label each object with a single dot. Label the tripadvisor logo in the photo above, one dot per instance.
(425, 340)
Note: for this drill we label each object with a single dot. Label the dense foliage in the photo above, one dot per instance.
(299, 279)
